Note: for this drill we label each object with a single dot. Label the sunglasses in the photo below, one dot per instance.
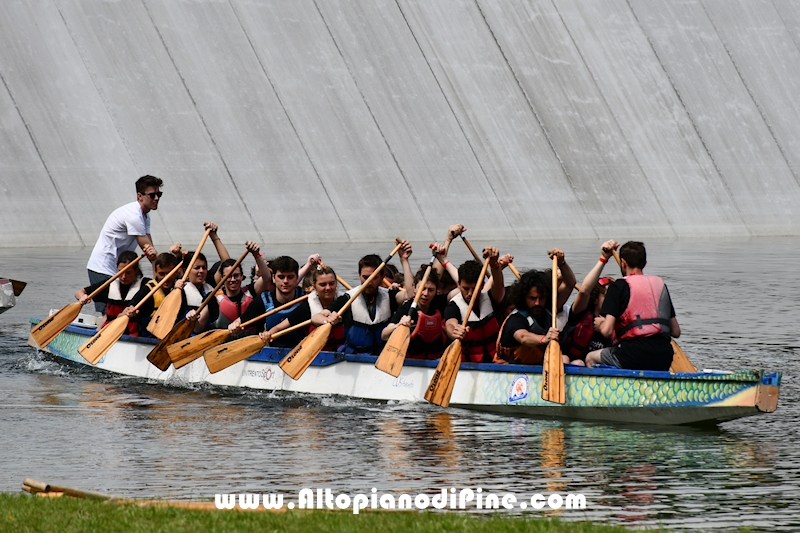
(154, 195)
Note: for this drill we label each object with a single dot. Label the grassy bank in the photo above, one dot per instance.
(23, 513)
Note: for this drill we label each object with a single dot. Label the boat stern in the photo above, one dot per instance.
(767, 392)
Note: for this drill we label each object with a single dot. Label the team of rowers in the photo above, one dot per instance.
(625, 323)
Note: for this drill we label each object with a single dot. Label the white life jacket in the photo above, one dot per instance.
(193, 296)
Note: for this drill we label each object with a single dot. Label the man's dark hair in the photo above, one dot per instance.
(634, 254)
(166, 259)
(389, 272)
(283, 263)
(470, 271)
(188, 259)
(370, 260)
(147, 181)
(433, 277)
(529, 280)
(126, 257)
(229, 262)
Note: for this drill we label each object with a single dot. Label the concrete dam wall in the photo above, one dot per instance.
(361, 120)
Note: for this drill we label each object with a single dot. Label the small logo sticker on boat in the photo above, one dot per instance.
(519, 388)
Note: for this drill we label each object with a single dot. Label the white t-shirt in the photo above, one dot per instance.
(118, 235)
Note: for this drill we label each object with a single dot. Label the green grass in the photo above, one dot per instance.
(23, 513)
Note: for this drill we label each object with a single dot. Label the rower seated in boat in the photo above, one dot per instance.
(120, 293)
(426, 323)
(370, 313)
(638, 310)
(162, 266)
(479, 337)
(579, 336)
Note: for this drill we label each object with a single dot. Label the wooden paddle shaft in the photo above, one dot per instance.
(471, 249)
(222, 281)
(196, 253)
(554, 296)
(291, 329)
(272, 311)
(115, 276)
(378, 270)
(158, 286)
(476, 294)
(422, 283)
(514, 270)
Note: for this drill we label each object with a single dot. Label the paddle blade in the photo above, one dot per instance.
(680, 363)
(96, 347)
(394, 353)
(47, 330)
(444, 378)
(184, 352)
(18, 286)
(221, 357)
(159, 355)
(164, 319)
(300, 358)
(553, 386)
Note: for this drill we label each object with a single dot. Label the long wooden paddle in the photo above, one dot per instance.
(183, 353)
(553, 386)
(164, 319)
(222, 357)
(444, 378)
(159, 355)
(680, 361)
(46, 330)
(394, 353)
(96, 347)
(302, 355)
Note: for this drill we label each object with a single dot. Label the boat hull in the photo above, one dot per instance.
(603, 394)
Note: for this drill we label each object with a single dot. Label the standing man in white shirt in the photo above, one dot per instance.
(125, 228)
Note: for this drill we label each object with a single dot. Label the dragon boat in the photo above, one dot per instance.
(598, 394)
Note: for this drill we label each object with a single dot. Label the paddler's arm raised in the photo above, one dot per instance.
(567, 277)
(408, 277)
(582, 299)
(313, 260)
(498, 289)
(261, 283)
(443, 263)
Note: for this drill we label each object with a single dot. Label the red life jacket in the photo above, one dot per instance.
(576, 339)
(480, 343)
(116, 303)
(429, 329)
(230, 310)
(648, 311)
(335, 338)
